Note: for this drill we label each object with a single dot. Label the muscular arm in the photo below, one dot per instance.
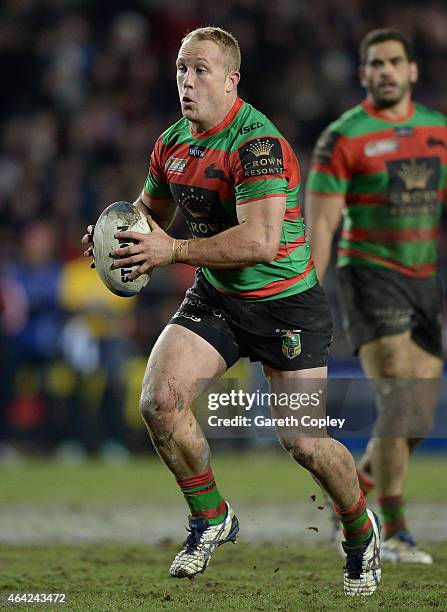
(323, 215)
(254, 240)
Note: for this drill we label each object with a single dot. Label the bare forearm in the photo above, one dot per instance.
(321, 235)
(321, 254)
(233, 248)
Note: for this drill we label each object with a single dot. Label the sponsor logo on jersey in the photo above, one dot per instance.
(203, 209)
(291, 343)
(404, 130)
(381, 147)
(261, 156)
(324, 147)
(246, 129)
(196, 151)
(413, 185)
(212, 172)
(194, 201)
(176, 164)
(435, 142)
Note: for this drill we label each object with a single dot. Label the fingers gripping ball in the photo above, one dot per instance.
(118, 217)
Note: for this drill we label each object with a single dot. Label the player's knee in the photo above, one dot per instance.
(156, 407)
(302, 450)
(394, 362)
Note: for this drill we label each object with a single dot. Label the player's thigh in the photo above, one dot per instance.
(424, 364)
(299, 401)
(181, 365)
(387, 356)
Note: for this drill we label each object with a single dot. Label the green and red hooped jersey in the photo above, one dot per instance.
(393, 177)
(243, 159)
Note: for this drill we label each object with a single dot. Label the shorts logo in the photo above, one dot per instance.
(291, 343)
(186, 315)
(261, 156)
(176, 164)
(381, 147)
(196, 151)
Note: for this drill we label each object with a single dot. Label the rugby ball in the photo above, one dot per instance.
(118, 217)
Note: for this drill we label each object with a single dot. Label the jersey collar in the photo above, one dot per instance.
(223, 124)
(371, 110)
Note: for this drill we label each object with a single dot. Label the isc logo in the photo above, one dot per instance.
(248, 128)
(122, 243)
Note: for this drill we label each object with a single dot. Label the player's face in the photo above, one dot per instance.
(387, 74)
(205, 87)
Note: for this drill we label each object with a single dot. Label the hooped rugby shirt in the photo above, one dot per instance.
(393, 176)
(243, 159)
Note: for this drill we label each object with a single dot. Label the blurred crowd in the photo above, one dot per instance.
(87, 88)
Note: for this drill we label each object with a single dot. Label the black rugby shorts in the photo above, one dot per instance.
(377, 302)
(291, 333)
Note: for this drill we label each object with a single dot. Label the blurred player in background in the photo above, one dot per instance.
(381, 167)
(237, 182)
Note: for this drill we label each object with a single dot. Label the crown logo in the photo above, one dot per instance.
(261, 147)
(195, 203)
(414, 175)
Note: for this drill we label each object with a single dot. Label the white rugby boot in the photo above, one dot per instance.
(202, 541)
(362, 571)
(402, 548)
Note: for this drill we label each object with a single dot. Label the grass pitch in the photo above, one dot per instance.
(121, 576)
(240, 577)
(246, 478)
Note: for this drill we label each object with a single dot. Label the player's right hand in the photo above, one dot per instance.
(88, 239)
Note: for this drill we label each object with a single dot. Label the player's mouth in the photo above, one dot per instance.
(187, 100)
(387, 87)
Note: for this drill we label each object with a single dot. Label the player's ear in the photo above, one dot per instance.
(233, 79)
(414, 72)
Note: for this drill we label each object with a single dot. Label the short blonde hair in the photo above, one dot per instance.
(223, 39)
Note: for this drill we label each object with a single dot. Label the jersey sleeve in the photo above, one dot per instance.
(156, 184)
(261, 168)
(329, 173)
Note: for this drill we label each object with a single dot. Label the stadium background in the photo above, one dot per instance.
(88, 87)
(85, 505)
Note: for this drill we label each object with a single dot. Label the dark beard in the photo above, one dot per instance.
(384, 103)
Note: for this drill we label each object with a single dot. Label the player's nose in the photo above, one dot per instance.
(188, 78)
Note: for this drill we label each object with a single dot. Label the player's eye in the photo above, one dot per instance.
(181, 68)
(201, 70)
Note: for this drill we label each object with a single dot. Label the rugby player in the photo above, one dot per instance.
(381, 168)
(237, 182)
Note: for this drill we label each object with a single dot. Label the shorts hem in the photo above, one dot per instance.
(300, 366)
(208, 334)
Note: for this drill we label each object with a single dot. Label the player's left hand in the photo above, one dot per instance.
(149, 250)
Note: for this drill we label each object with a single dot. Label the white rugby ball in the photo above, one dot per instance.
(118, 217)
